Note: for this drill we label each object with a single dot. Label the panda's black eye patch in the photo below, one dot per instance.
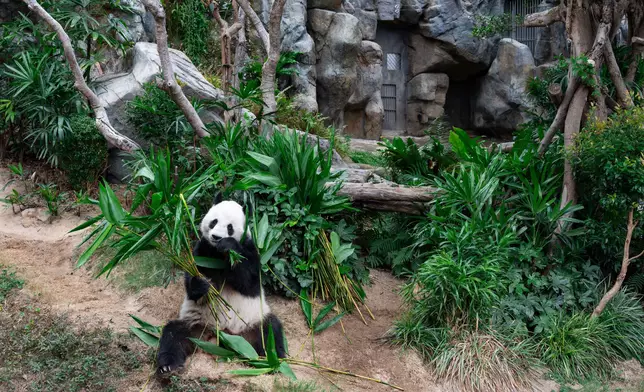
(213, 224)
(231, 231)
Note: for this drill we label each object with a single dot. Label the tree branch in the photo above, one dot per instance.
(170, 83)
(616, 76)
(257, 23)
(103, 124)
(560, 117)
(270, 65)
(626, 260)
(545, 18)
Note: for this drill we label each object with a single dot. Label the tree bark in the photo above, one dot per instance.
(169, 81)
(545, 18)
(274, 49)
(626, 261)
(621, 91)
(384, 197)
(111, 135)
(226, 33)
(560, 117)
(257, 23)
(555, 93)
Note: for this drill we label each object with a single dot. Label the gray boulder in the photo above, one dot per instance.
(337, 39)
(427, 94)
(388, 10)
(365, 11)
(450, 22)
(139, 25)
(295, 38)
(411, 11)
(364, 113)
(115, 91)
(500, 104)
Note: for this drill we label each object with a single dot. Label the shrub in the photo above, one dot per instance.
(83, 152)
(414, 165)
(190, 27)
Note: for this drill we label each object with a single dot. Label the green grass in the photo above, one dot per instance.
(8, 282)
(368, 158)
(177, 384)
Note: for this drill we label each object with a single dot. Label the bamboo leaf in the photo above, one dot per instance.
(285, 369)
(213, 349)
(323, 313)
(239, 345)
(145, 337)
(271, 351)
(328, 323)
(103, 235)
(146, 326)
(209, 262)
(251, 372)
(305, 304)
(110, 205)
(87, 223)
(266, 255)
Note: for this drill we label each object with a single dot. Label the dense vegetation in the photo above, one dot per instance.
(501, 277)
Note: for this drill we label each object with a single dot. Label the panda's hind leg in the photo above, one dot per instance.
(254, 336)
(174, 346)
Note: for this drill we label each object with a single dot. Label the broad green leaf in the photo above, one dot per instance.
(262, 363)
(323, 313)
(239, 345)
(145, 172)
(145, 337)
(146, 326)
(213, 349)
(266, 255)
(143, 242)
(262, 231)
(110, 205)
(263, 159)
(328, 323)
(209, 262)
(103, 235)
(157, 198)
(251, 372)
(285, 369)
(266, 179)
(305, 304)
(271, 351)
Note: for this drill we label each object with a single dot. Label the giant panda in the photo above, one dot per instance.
(222, 229)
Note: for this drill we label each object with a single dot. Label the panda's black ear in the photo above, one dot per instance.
(218, 198)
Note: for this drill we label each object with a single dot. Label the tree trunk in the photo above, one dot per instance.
(111, 135)
(626, 261)
(169, 81)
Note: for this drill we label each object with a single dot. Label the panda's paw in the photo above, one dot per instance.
(169, 370)
(228, 243)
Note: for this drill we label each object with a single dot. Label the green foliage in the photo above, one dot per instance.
(487, 26)
(317, 325)
(584, 68)
(608, 162)
(39, 97)
(190, 27)
(367, 158)
(251, 74)
(52, 197)
(537, 89)
(413, 165)
(8, 282)
(83, 152)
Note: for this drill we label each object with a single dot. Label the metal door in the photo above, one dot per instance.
(394, 77)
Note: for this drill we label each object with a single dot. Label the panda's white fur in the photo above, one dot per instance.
(248, 308)
(226, 213)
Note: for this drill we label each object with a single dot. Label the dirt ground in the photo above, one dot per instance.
(44, 254)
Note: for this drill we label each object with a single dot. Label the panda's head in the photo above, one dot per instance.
(224, 219)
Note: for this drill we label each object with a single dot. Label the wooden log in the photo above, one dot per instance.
(385, 193)
(555, 93)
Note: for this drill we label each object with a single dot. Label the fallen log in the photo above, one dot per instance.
(385, 197)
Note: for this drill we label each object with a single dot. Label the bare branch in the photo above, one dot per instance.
(560, 117)
(103, 124)
(170, 83)
(626, 260)
(616, 76)
(545, 18)
(555, 93)
(257, 23)
(637, 41)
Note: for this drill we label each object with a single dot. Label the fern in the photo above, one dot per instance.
(636, 282)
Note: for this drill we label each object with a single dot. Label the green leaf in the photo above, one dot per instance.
(110, 205)
(263, 159)
(239, 345)
(104, 235)
(328, 323)
(266, 255)
(285, 369)
(156, 200)
(250, 372)
(146, 337)
(271, 351)
(145, 172)
(262, 363)
(323, 313)
(262, 231)
(146, 326)
(266, 179)
(305, 304)
(213, 349)
(209, 262)
(87, 224)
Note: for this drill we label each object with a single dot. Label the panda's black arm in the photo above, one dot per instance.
(244, 276)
